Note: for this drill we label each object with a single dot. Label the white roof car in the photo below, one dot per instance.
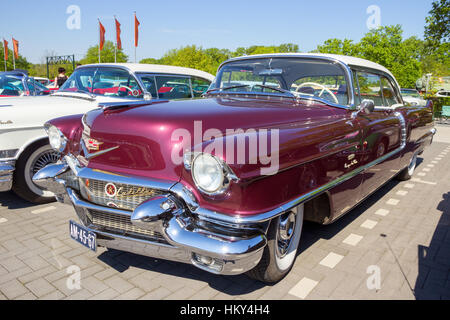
(24, 146)
(347, 60)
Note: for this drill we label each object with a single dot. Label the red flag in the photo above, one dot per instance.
(118, 41)
(5, 45)
(136, 30)
(16, 48)
(102, 35)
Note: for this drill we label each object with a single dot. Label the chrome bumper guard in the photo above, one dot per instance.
(6, 175)
(182, 236)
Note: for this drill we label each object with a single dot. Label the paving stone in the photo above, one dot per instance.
(93, 285)
(40, 287)
(181, 294)
(108, 294)
(118, 284)
(157, 294)
(133, 294)
(13, 289)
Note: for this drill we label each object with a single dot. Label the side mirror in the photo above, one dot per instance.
(367, 106)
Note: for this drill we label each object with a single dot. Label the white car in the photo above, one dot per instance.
(413, 97)
(443, 93)
(24, 145)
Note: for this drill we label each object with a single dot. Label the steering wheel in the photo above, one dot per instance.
(321, 92)
(123, 86)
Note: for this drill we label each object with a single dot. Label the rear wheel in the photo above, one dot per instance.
(407, 173)
(31, 161)
(283, 238)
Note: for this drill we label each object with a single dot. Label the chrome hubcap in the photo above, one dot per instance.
(285, 232)
(43, 159)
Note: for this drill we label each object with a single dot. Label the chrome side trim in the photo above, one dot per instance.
(259, 218)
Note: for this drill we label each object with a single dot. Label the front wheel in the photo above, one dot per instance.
(283, 238)
(31, 161)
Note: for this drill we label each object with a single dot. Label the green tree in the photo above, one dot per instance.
(106, 55)
(385, 46)
(437, 28)
(193, 57)
(283, 48)
(21, 63)
(337, 46)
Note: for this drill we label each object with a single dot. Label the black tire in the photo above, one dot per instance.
(407, 172)
(269, 269)
(23, 185)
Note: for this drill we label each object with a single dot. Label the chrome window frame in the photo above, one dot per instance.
(347, 71)
(380, 73)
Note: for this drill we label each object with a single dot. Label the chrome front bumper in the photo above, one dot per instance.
(6, 175)
(210, 245)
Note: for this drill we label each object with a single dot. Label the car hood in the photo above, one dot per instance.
(149, 137)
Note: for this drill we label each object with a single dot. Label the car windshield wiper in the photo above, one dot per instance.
(79, 91)
(278, 89)
(259, 85)
(226, 88)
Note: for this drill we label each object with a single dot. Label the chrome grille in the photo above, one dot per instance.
(128, 197)
(119, 223)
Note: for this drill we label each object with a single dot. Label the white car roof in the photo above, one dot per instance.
(350, 61)
(156, 68)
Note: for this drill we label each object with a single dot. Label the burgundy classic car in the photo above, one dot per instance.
(225, 182)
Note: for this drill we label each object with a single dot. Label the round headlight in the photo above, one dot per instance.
(207, 173)
(56, 138)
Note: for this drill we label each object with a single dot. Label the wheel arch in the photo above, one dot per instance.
(319, 209)
(29, 144)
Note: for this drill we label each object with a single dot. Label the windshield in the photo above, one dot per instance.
(104, 81)
(410, 93)
(306, 77)
(11, 85)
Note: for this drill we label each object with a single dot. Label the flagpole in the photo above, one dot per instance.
(4, 52)
(99, 38)
(115, 48)
(14, 57)
(135, 38)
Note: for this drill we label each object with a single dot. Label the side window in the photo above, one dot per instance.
(389, 94)
(199, 86)
(150, 85)
(370, 87)
(173, 87)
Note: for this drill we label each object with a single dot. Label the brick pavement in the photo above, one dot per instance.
(402, 231)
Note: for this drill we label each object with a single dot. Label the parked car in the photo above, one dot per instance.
(443, 93)
(225, 182)
(413, 97)
(42, 80)
(24, 145)
(18, 83)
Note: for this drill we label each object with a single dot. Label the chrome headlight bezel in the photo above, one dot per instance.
(56, 138)
(192, 159)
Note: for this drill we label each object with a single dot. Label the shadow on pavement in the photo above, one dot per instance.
(12, 201)
(241, 284)
(433, 280)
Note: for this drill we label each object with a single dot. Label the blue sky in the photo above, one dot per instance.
(40, 26)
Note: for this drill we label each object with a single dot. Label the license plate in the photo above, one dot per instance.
(82, 235)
